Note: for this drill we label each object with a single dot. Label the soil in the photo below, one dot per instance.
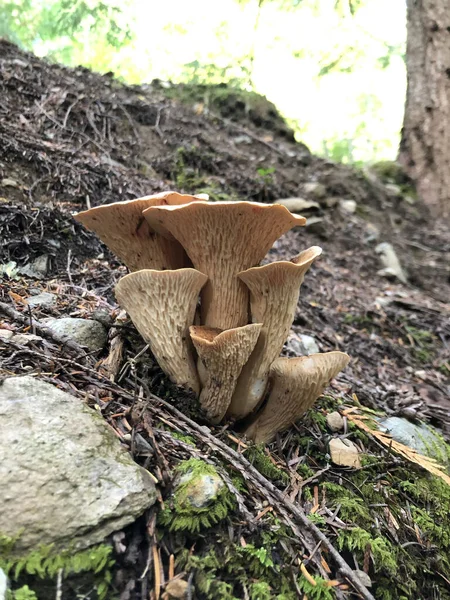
(71, 139)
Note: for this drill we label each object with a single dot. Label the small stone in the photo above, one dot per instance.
(301, 344)
(335, 421)
(23, 339)
(347, 206)
(316, 189)
(318, 226)
(344, 453)
(201, 489)
(390, 261)
(45, 299)
(297, 205)
(7, 182)
(420, 374)
(393, 190)
(86, 332)
(5, 334)
(363, 577)
(177, 588)
(38, 268)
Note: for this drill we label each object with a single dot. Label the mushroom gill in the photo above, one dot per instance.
(274, 291)
(295, 384)
(124, 230)
(222, 355)
(222, 239)
(162, 306)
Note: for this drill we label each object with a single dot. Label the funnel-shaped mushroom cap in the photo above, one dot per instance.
(296, 384)
(124, 230)
(274, 290)
(221, 239)
(222, 355)
(162, 306)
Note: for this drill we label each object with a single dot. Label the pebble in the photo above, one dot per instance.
(335, 421)
(45, 299)
(344, 453)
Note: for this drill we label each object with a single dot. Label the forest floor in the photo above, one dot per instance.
(71, 139)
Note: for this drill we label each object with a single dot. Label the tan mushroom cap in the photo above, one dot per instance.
(296, 384)
(124, 230)
(222, 355)
(274, 291)
(162, 306)
(221, 239)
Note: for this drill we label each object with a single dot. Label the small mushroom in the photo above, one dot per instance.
(222, 239)
(296, 383)
(162, 306)
(124, 230)
(274, 290)
(222, 355)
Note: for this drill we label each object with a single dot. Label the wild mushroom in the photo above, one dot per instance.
(124, 230)
(221, 239)
(222, 355)
(296, 383)
(274, 290)
(162, 306)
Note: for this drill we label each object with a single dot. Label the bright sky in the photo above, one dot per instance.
(360, 106)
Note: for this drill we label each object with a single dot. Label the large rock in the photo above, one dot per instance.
(84, 331)
(64, 477)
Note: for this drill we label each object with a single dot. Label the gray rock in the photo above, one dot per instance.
(347, 206)
(201, 489)
(297, 205)
(363, 577)
(84, 331)
(301, 344)
(315, 189)
(45, 299)
(390, 261)
(335, 421)
(65, 479)
(38, 268)
(6, 334)
(25, 338)
(421, 438)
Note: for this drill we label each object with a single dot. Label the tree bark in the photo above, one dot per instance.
(425, 142)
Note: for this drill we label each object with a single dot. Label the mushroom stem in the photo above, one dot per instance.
(162, 306)
(124, 230)
(221, 239)
(274, 291)
(296, 383)
(222, 355)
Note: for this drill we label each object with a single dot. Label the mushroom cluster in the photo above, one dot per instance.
(215, 320)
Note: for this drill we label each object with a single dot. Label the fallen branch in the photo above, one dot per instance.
(42, 329)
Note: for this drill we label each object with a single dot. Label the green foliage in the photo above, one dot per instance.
(24, 593)
(319, 591)
(259, 459)
(380, 548)
(181, 514)
(46, 563)
(65, 27)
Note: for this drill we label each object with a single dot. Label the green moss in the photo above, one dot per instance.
(181, 514)
(45, 563)
(23, 593)
(257, 456)
(318, 591)
(187, 439)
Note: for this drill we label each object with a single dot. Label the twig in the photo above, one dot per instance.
(285, 505)
(42, 329)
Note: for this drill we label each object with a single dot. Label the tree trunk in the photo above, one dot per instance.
(425, 143)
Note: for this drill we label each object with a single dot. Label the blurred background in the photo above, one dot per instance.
(335, 69)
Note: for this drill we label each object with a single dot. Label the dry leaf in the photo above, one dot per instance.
(431, 465)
